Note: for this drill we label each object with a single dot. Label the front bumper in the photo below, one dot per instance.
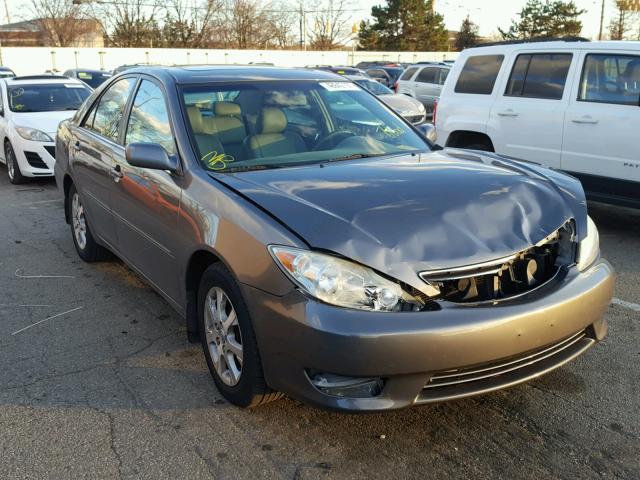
(413, 351)
(36, 159)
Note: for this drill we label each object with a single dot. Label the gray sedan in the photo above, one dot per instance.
(409, 108)
(340, 261)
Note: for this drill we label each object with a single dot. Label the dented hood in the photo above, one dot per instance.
(406, 214)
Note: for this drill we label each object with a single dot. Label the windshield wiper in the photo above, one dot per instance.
(355, 156)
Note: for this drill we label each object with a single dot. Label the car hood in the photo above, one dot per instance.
(405, 214)
(402, 103)
(46, 122)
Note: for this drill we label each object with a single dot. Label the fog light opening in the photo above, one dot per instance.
(348, 387)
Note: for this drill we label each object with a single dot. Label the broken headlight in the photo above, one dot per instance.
(340, 282)
(589, 246)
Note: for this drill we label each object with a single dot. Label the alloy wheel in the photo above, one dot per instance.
(224, 339)
(8, 155)
(79, 221)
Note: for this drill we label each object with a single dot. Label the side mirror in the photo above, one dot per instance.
(428, 131)
(150, 155)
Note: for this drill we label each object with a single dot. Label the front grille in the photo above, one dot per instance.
(507, 277)
(35, 160)
(464, 382)
(51, 150)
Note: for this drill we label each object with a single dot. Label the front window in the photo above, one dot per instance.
(611, 78)
(282, 124)
(47, 97)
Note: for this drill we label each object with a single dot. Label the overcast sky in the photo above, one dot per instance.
(488, 14)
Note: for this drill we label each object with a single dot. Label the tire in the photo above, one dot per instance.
(13, 169)
(88, 249)
(239, 378)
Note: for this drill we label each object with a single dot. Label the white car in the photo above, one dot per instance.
(30, 110)
(569, 105)
(424, 82)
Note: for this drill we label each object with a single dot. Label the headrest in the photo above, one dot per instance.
(273, 120)
(195, 117)
(226, 109)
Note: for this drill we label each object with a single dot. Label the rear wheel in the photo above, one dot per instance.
(86, 246)
(229, 342)
(13, 169)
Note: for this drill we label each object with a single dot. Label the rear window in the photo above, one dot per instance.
(479, 74)
(408, 73)
(539, 76)
(47, 97)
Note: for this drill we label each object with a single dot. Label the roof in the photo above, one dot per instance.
(25, 26)
(555, 45)
(234, 73)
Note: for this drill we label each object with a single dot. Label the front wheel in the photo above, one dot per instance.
(86, 246)
(228, 340)
(13, 169)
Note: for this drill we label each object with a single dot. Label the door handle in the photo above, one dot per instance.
(77, 146)
(508, 113)
(587, 119)
(116, 173)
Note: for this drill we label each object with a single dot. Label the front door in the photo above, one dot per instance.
(146, 202)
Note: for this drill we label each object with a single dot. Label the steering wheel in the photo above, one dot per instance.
(333, 139)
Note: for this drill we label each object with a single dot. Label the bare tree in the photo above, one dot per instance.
(189, 25)
(128, 23)
(330, 26)
(62, 22)
(283, 22)
(247, 24)
(624, 21)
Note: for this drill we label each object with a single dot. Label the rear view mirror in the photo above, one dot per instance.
(150, 155)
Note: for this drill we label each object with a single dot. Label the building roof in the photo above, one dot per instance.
(24, 26)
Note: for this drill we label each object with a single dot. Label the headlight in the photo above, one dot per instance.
(339, 282)
(589, 247)
(421, 108)
(33, 134)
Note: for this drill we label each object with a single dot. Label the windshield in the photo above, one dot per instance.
(47, 97)
(93, 79)
(374, 87)
(286, 123)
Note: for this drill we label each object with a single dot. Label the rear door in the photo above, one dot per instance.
(146, 202)
(602, 123)
(527, 118)
(91, 155)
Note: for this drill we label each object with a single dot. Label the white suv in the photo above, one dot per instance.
(423, 82)
(30, 110)
(570, 105)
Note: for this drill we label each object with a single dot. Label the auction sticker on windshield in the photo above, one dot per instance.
(339, 86)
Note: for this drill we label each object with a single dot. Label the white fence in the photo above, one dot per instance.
(36, 60)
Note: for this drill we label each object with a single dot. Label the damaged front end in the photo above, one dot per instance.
(507, 277)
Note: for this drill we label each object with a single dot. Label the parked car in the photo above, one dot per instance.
(386, 75)
(340, 262)
(340, 70)
(410, 109)
(31, 108)
(424, 82)
(93, 78)
(6, 72)
(570, 105)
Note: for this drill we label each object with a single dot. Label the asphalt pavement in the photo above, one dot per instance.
(97, 380)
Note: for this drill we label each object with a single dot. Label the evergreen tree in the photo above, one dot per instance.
(468, 35)
(404, 25)
(548, 18)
